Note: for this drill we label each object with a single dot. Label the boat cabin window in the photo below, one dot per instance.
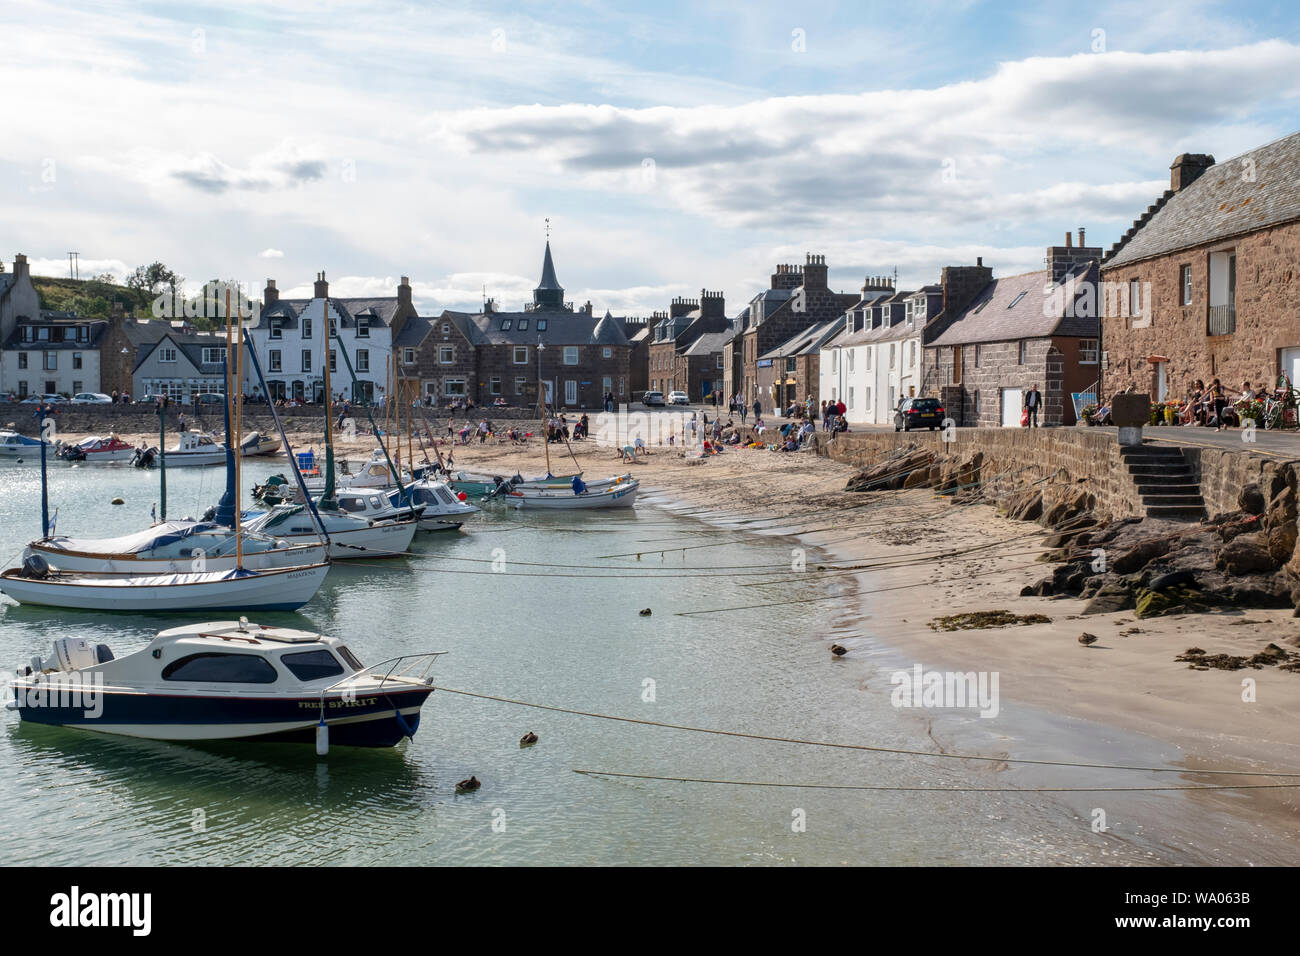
(312, 665)
(352, 504)
(221, 668)
(445, 495)
(374, 502)
(348, 656)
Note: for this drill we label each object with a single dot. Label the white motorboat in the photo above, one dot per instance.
(228, 680)
(277, 589)
(619, 495)
(174, 546)
(196, 448)
(598, 484)
(372, 474)
(14, 445)
(350, 536)
(441, 505)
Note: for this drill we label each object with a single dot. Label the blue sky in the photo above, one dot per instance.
(673, 146)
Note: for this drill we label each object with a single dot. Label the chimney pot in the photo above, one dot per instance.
(1067, 240)
(1081, 237)
(979, 260)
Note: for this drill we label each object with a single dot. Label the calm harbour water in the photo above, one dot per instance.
(577, 641)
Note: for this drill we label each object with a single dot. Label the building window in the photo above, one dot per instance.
(849, 354)
(51, 361)
(891, 355)
(1134, 297)
(213, 356)
(332, 366)
(167, 355)
(607, 352)
(76, 363)
(22, 389)
(505, 325)
(277, 331)
(521, 385)
(306, 360)
(1021, 352)
(22, 359)
(719, 360)
(494, 385)
(446, 328)
(275, 363)
(522, 325)
(363, 360)
(1016, 301)
(571, 355)
(76, 387)
(1087, 351)
(408, 356)
(363, 328)
(521, 354)
(306, 329)
(978, 356)
(446, 355)
(1186, 282)
(867, 355)
(453, 387)
(541, 325)
(866, 394)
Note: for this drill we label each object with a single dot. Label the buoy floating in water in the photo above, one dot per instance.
(119, 501)
(528, 739)
(468, 786)
(839, 650)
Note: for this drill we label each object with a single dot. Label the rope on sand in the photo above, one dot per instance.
(868, 748)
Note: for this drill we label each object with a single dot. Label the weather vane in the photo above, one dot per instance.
(548, 228)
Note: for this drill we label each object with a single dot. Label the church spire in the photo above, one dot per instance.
(549, 294)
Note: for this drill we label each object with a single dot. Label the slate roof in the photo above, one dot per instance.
(289, 311)
(562, 328)
(6, 280)
(413, 333)
(1012, 308)
(708, 343)
(1223, 202)
(98, 327)
(809, 339)
(191, 346)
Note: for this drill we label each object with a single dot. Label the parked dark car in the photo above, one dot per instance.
(918, 413)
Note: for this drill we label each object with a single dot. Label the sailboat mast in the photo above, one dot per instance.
(541, 404)
(41, 411)
(162, 458)
(396, 403)
(327, 495)
(235, 396)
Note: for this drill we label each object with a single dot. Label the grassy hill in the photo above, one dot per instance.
(89, 297)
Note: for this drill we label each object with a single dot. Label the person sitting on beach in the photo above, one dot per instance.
(807, 431)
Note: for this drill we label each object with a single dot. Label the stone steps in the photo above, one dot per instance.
(1164, 481)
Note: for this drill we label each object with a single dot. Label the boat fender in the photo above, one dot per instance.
(322, 737)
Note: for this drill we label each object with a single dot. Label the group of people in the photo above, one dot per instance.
(1209, 405)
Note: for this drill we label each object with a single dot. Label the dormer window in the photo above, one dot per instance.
(541, 325)
(363, 328)
(505, 325)
(277, 330)
(523, 325)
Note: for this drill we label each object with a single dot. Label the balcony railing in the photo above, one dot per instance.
(1222, 320)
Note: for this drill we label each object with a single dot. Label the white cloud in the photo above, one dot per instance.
(270, 254)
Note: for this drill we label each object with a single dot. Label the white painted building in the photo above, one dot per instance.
(289, 339)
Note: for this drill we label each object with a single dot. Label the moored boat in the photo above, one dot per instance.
(255, 443)
(173, 546)
(98, 449)
(228, 680)
(276, 589)
(349, 536)
(619, 495)
(14, 445)
(195, 448)
(443, 509)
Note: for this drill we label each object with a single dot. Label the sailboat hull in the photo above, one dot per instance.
(294, 556)
(278, 590)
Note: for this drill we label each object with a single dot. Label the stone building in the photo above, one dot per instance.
(52, 353)
(576, 356)
(1034, 328)
(674, 365)
(1206, 282)
(798, 298)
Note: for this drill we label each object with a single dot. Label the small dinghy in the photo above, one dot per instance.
(256, 443)
(228, 680)
(621, 494)
(276, 589)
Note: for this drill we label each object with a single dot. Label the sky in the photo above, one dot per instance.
(673, 147)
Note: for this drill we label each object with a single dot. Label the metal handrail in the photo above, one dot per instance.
(430, 657)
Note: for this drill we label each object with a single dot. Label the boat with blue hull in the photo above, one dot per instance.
(228, 680)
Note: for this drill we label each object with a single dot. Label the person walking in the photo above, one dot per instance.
(758, 409)
(1033, 402)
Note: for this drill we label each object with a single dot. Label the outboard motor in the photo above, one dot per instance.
(70, 654)
(36, 567)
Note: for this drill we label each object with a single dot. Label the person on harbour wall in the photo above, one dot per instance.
(1033, 402)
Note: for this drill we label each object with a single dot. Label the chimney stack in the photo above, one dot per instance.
(1187, 168)
(1067, 240)
(270, 295)
(322, 289)
(1081, 242)
(1062, 259)
(404, 292)
(20, 266)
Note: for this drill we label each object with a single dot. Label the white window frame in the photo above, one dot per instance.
(446, 355)
(570, 356)
(1086, 350)
(521, 354)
